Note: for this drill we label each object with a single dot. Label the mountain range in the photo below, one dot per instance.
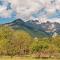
(35, 28)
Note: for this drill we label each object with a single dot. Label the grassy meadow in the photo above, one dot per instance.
(23, 58)
(21, 43)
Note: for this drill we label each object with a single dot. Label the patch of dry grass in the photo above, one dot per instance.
(22, 58)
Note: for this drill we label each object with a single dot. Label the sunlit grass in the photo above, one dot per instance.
(22, 58)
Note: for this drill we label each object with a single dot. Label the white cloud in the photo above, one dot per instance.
(2, 8)
(54, 20)
(25, 8)
(4, 13)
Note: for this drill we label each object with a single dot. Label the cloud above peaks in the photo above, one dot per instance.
(29, 9)
(25, 8)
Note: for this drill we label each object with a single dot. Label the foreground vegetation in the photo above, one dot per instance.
(22, 58)
(21, 43)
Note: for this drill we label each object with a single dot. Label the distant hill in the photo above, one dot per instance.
(34, 29)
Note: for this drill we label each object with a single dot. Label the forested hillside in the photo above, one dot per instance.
(19, 42)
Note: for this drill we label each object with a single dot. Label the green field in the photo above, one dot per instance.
(22, 58)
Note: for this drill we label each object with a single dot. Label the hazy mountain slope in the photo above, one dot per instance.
(33, 29)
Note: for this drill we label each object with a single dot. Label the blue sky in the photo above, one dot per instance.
(29, 9)
(6, 20)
